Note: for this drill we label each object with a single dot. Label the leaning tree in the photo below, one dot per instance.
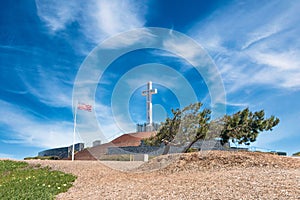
(193, 123)
(186, 126)
(244, 126)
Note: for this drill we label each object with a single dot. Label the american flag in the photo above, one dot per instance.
(82, 106)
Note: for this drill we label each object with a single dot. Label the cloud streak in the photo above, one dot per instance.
(57, 15)
(249, 50)
(32, 131)
(47, 86)
(5, 155)
(97, 19)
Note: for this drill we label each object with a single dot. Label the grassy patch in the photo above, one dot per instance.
(122, 157)
(19, 180)
(296, 154)
(119, 157)
(42, 158)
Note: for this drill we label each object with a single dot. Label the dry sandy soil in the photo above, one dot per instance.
(213, 175)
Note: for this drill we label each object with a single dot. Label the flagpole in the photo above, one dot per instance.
(74, 131)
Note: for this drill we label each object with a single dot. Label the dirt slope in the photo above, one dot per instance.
(217, 175)
(213, 160)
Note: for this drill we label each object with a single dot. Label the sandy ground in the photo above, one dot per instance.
(221, 176)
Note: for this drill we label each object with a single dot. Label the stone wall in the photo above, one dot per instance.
(135, 150)
(155, 150)
(210, 145)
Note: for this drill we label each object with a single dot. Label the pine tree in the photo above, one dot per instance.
(244, 126)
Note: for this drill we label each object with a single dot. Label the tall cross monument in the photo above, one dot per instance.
(148, 93)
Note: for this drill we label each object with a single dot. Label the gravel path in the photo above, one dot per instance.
(97, 181)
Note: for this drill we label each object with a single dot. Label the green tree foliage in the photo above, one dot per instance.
(193, 123)
(185, 126)
(244, 126)
(215, 128)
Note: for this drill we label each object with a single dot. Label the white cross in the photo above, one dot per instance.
(148, 93)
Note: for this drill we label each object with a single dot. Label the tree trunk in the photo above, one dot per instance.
(166, 149)
(185, 150)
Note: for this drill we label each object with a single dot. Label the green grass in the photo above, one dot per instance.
(122, 157)
(296, 154)
(119, 157)
(19, 180)
(42, 158)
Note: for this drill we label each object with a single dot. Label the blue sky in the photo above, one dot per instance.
(255, 46)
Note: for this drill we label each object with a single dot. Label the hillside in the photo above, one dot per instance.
(217, 175)
(214, 160)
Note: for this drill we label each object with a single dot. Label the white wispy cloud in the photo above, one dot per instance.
(254, 44)
(260, 35)
(47, 86)
(184, 48)
(255, 47)
(137, 38)
(112, 17)
(283, 61)
(57, 14)
(5, 155)
(98, 19)
(32, 131)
